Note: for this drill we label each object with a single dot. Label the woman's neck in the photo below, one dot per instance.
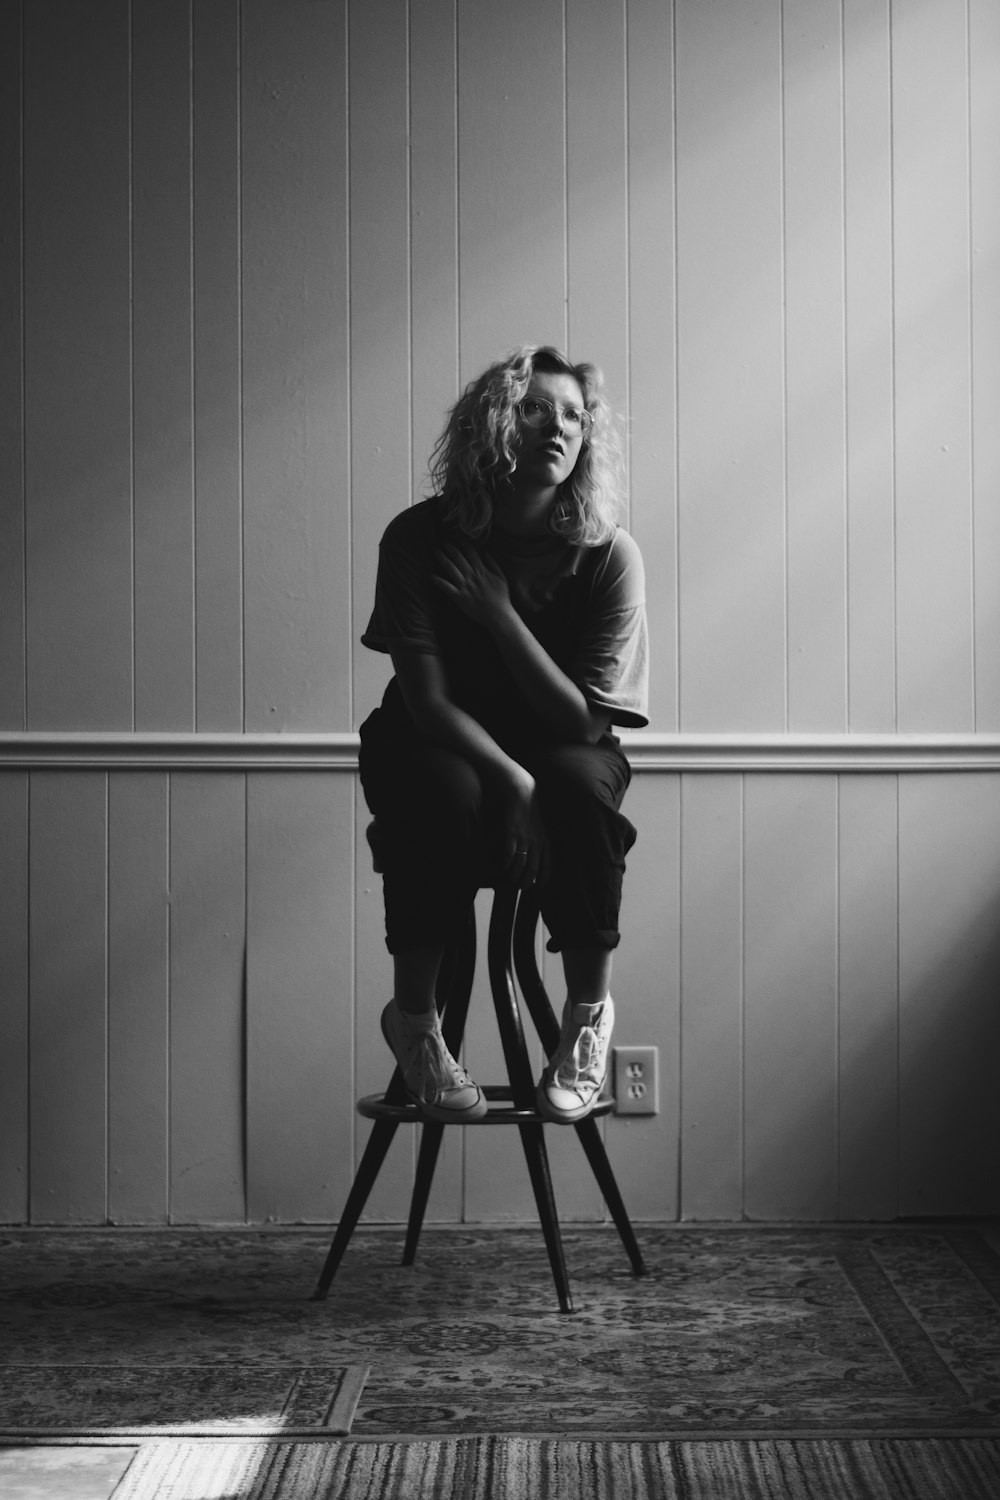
(524, 511)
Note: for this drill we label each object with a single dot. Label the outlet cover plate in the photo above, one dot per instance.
(636, 1080)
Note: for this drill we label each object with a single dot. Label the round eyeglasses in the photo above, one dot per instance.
(538, 411)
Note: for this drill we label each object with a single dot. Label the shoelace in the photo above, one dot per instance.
(582, 1064)
(434, 1067)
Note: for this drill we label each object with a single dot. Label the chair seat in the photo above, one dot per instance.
(374, 1107)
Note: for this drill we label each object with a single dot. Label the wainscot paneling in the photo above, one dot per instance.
(195, 967)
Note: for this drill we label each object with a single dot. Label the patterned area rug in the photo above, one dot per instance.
(524, 1469)
(736, 1332)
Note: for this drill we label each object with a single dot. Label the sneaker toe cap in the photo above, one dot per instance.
(563, 1099)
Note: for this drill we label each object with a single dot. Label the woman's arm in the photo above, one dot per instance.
(424, 686)
(479, 588)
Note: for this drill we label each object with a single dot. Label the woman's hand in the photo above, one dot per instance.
(525, 852)
(474, 582)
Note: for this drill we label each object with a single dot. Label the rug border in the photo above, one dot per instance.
(339, 1418)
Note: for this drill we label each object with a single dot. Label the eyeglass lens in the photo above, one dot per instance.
(537, 412)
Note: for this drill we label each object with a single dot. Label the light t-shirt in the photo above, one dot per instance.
(585, 606)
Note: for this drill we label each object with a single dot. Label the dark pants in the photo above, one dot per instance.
(441, 828)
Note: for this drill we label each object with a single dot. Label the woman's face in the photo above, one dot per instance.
(547, 455)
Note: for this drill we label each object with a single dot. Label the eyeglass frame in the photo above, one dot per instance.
(554, 408)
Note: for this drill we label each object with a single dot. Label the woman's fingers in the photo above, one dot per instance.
(451, 563)
(463, 561)
(526, 856)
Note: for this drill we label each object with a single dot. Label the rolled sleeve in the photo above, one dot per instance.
(611, 667)
(402, 614)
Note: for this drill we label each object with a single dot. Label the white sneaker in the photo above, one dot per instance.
(436, 1083)
(571, 1084)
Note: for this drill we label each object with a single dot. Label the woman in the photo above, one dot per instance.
(513, 609)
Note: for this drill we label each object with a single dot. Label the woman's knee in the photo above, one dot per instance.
(581, 780)
(430, 790)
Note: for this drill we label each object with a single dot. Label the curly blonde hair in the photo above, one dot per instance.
(474, 454)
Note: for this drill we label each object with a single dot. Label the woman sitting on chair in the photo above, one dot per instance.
(512, 606)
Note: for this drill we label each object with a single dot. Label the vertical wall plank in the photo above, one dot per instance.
(790, 1007)
(868, 338)
(12, 643)
(300, 997)
(814, 364)
(77, 365)
(379, 306)
(646, 985)
(930, 129)
(949, 974)
(984, 104)
(512, 183)
(867, 1040)
(433, 226)
(295, 342)
(217, 393)
(137, 998)
(207, 962)
(68, 988)
(597, 189)
(711, 1045)
(652, 393)
(161, 365)
(732, 601)
(14, 1013)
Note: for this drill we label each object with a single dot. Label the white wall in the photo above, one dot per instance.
(249, 252)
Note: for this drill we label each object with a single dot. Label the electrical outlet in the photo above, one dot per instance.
(636, 1080)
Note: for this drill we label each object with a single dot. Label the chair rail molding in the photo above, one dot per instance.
(646, 750)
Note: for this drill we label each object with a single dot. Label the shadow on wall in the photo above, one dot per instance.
(949, 1051)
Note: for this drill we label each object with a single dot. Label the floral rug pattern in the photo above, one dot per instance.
(737, 1330)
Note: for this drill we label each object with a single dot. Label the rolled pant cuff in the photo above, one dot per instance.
(607, 938)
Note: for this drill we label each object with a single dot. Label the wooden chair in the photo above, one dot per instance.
(510, 951)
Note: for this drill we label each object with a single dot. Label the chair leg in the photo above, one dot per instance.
(540, 1009)
(533, 1142)
(453, 1000)
(590, 1140)
(368, 1169)
(431, 1135)
(505, 999)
